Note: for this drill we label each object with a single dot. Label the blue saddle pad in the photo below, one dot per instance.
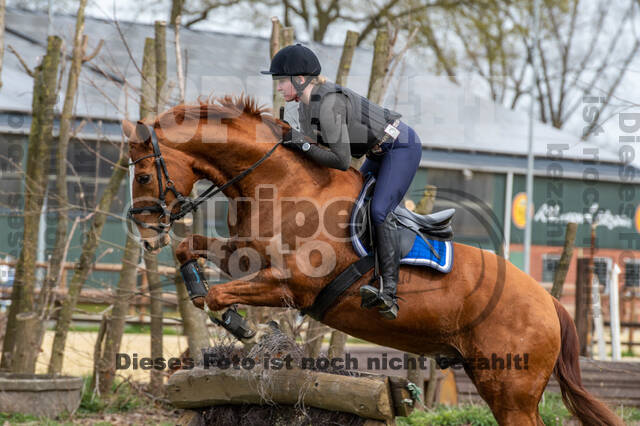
(435, 254)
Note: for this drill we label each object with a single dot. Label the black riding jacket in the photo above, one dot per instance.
(342, 121)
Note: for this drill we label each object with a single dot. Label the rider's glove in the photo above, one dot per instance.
(295, 139)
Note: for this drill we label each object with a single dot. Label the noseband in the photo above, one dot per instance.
(186, 205)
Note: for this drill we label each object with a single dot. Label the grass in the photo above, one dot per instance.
(552, 410)
(628, 353)
(121, 399)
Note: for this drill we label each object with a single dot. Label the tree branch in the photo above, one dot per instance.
(22, 62)
(95, 51)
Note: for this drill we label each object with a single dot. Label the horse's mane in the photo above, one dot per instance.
(229, 107)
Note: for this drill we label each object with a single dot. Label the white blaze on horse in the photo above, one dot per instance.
(483, 307)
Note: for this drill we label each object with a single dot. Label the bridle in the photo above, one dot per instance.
(186, 205)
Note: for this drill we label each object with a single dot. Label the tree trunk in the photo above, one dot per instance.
(565, 260)
(379, 66)
(288, 36)
(57, 257)
(313, 340)
(155, 296)
(175, 20)
(337, 344)
(161, 64)
(104, 371)
(85, 263)
(3, 9)
(151, 260)
(176, 11)
(194, 320)
(274, 47)
(22, 297)
(344, 67)
(148, 79)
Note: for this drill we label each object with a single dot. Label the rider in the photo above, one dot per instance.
(336, 124)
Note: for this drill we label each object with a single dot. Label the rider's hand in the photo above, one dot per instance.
(293, 138)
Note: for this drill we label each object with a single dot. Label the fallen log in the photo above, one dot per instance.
(368, 397)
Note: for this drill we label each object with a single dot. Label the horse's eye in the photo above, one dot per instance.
(143, 179)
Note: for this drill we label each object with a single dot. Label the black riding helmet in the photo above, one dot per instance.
(294, 60)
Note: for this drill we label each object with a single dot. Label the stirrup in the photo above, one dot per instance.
(391, 312)
(370, 296)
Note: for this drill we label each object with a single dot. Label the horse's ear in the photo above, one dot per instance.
(142, 132)
(128, 128)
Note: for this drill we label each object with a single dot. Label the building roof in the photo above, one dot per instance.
(445, 116)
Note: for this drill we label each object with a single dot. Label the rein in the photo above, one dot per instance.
(186, 204)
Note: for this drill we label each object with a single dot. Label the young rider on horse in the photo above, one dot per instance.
(341, 124)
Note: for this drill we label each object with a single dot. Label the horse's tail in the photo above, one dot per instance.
(580, 403)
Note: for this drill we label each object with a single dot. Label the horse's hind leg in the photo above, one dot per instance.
(512, 403)
(518, 418)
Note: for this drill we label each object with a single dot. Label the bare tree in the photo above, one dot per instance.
(585, 49)
(22, 317)
(318, 17)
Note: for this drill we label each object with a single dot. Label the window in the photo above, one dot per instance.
(632, 273)
(472, 195)
(549, 265)
(602, 268)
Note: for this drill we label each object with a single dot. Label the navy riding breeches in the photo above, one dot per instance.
(394, 170)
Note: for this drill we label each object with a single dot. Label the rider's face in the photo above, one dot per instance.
(285, 87)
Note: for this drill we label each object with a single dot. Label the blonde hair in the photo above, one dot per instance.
(319, 79)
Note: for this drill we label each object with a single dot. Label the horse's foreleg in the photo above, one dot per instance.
(266, 289)
(215, 250)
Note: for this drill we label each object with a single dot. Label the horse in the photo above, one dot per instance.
(485, 308)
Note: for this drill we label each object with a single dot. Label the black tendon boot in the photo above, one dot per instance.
(389, 260)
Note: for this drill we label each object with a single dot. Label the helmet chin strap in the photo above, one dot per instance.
(299, 86)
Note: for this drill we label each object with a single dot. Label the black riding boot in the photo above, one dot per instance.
(388, 260)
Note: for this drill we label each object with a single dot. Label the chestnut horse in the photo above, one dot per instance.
(485, 308)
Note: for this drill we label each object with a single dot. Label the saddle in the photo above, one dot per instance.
(423, 239)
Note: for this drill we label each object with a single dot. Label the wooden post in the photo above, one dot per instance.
(288, 36)
(565, 260)
(379, 66)
(632, 316)
(161, 64)
(614, 314)
(274, 47)
(337, 343)
(3, 8)
(582, 303)
(344, 67)
(143, 300)
(589, 296)
(313, 340)
(156, 305)
(148, 79)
